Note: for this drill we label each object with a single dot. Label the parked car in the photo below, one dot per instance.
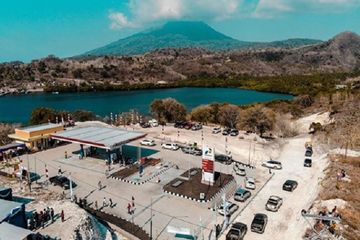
(196, 127)
(145, 125)
(237, 231)
(192, 150)
(272, 164)
(179, 124)
(153, 123)
(239, 170)
(242, 195)
(224, 159)
(234, 132)
(188, 126)
(216, 130)
(61, 181)
(147, 142)
(274, 203)
(231, 208)
(308, 152)
(259, 222)
(250, 183)
(226, 132)
(170, 146)
(290, 185)
(307, 162)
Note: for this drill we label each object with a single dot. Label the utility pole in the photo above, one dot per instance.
(71, 189)
(35, 168)
(28, 172)
(151, 216)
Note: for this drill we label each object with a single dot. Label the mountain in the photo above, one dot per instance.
(184, 34)
(340, 54)
(341, 51)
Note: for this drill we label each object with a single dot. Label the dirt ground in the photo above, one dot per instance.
(345, 191)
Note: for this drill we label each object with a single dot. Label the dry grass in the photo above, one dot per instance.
(346, 190)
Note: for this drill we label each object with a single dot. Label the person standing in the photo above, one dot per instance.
(62, 215)
(104, 202)
(129, 208)
(99, 185)
(110, 201)
(96, 205)
(66, 155)
(52, 214)
(59, 171)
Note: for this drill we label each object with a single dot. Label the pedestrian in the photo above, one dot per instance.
(96, 205)
(111, 203)
(269, 170)
(129, 208)
(104, 202)
(62, 215)
(59, 171)
(52, 214)
(99, 185)
(66, 155)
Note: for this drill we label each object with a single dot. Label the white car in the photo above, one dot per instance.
(153, 123)
(230, 208)
(148, 142)
(216, 130)
(272, 164)
(170, 146)
(250, 183)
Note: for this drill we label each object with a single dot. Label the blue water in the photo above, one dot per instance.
(18, 108)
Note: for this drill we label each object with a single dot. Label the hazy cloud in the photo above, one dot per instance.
(272, 8)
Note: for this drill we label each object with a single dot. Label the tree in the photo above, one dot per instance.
(168, 110)
(157, 109)
(256, 119)
(83, 116)
(228, 114)
(174, 110)
(202, 114)
(5, 130)
(42, 115)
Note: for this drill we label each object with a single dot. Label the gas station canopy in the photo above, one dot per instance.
(100, 137)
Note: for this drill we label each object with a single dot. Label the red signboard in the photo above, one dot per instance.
(208, 165)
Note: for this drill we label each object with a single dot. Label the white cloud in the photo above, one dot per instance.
(271, 8)
(146, 11)
(143, 12)
(119, 21)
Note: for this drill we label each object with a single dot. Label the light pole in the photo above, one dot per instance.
(71, 190)
(151, 215)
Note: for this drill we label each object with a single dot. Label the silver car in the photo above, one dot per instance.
(274, 203)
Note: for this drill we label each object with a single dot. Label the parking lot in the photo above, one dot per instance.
(183, 213)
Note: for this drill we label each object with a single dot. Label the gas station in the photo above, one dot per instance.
(94, 138)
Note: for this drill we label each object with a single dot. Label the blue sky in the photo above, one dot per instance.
(32, 29)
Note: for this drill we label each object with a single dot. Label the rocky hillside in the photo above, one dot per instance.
(184, 34)
(339, 54)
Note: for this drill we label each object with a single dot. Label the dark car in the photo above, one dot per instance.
(61, 181)
(290, 185)
(145, 125)
(307, 162)
(308, 152)
(224, 159)
(226, 131)
(234, 132)
(237, 231)
(179, 124)
(259, 223)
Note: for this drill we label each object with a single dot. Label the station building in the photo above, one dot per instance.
(36, 137)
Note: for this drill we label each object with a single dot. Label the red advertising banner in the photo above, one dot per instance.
(208, 165)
